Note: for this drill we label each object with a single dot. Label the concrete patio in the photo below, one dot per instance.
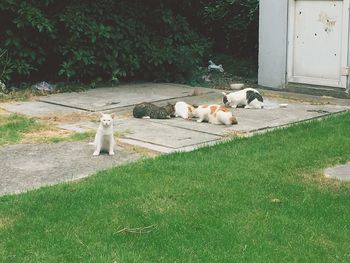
(163, 136)
(174, 134)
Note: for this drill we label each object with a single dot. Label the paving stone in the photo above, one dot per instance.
(340, 172)
(30, 166)
(103, 99)
(36, 108)
(147, 131)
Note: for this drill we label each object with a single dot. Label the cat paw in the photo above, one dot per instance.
(96, 154)
(111, 153)
(199, 120)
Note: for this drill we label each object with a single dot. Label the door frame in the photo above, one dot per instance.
(344, 80)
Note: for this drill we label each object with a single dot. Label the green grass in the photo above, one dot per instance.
(13, 127)
(77, 136)
(257, 199)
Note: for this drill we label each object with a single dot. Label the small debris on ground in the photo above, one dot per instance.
(44, 86)
(237, 86)
(212, 65)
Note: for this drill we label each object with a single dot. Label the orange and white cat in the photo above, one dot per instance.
(215, 114)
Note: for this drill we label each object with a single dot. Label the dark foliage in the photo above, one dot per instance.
(111, 40)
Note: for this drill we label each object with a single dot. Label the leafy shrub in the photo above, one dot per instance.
(90, 41)
(85, 40)
(232, 25)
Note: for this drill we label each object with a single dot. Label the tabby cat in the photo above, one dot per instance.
(151, 111)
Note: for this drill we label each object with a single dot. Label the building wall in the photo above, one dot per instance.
(273, 20)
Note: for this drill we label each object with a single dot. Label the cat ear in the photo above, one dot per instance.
(113, 115)
(101, 114)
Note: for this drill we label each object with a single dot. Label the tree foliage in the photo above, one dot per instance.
(110, 40)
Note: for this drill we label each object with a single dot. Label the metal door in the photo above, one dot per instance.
(318, 42)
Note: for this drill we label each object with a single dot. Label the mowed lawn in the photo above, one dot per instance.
(257, 199)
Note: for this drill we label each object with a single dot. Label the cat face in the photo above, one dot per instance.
(170, 109)
(225, 99)
(106, 120)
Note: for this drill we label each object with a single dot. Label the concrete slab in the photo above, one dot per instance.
(36, 108)
(103, 99)
(186, 134)
(340, 172)
(192, 125)
(250, 120)
(147, 131)
(30, 166)
(51, 163)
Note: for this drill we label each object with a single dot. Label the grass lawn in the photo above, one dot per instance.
(257, 199)
(16, 128)
(12, 128)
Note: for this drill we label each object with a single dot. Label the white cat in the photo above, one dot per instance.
(215, 114)
(184, 110)
(104, 138)
(249, 98)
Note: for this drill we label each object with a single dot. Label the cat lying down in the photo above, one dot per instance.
(184, 110)
(151, 111)
(215, 114)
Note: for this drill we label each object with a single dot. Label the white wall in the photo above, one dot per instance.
(273, 21)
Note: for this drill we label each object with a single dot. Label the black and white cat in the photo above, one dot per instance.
(104, 138)
(249, 98)
(151, 111)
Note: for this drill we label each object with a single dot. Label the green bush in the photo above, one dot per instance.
(232, 25)
(89, 40)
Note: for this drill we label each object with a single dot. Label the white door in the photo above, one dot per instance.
(318, 42)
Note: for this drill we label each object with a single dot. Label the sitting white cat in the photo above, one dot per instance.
(184, 110)
(249, 98)
(104, 138)
(215, 114)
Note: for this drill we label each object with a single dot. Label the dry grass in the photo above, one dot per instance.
(6, 222)
(139, 150)
(3, 112)
(71, 117)
(233, 134)
(299, 98)
(197, 92)
(3, 116)
(22, 95)
(43, 136)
